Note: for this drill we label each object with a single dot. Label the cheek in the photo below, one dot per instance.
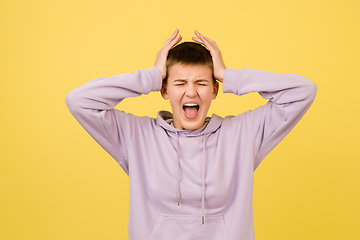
(206, 95)
(175, 99)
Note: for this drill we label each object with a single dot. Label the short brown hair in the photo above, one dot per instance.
(189, 53)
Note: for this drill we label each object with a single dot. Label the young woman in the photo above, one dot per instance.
(191, 176)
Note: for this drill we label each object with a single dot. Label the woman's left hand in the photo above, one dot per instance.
(219, 65)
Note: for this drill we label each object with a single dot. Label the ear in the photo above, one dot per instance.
(215, 90)
(164, 93)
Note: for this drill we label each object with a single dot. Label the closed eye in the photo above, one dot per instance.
(202, 82)
(179, 82)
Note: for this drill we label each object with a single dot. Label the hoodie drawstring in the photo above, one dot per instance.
(203, 181)
(203, 169)
(178, 167)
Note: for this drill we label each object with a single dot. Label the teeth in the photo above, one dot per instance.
(190, 105)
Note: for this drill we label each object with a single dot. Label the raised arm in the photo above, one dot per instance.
(290, 96)
(92, 104)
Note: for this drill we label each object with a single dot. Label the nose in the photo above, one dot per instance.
(191, 90)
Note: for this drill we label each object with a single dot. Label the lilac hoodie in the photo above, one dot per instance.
(191, 184)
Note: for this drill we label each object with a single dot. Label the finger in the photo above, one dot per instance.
(209, 43)
(212, 42)
(172, 37)
(177, 39)
(173, 42)
(197, 33)
(200, 36)
(205, 41)
(197, 40)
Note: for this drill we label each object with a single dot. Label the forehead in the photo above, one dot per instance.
(189, 72)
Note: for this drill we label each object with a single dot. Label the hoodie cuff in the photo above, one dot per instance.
(155, 77)
(230, 81)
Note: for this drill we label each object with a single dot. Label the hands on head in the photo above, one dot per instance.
(161, 56)
(218, 61)
(175, 38)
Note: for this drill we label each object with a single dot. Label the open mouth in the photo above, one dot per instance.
(191, 110)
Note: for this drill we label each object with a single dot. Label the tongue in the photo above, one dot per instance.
(190, 111)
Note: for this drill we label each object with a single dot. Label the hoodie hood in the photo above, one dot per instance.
(211, 125)
(165, 119)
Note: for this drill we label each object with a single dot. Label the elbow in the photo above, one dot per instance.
(308, 89)
(72, 101)
(311, 90)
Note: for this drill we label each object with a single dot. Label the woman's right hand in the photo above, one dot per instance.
(161, 56)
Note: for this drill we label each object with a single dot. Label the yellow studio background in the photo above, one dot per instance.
(57, 183)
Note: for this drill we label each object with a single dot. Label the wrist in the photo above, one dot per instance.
(156, 78)
(163, 74)
(220, 75)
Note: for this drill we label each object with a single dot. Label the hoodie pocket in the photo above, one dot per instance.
(184, 227)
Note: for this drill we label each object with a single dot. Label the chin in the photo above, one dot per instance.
(193, 126)
(189, 124)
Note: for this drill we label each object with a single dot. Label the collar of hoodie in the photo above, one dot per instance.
(211, 125)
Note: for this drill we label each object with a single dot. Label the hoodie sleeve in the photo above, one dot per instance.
(92, 104)
(290, 96)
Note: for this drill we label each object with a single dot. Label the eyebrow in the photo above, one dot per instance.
(197, 80)
(180, 80)
(202, 80)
